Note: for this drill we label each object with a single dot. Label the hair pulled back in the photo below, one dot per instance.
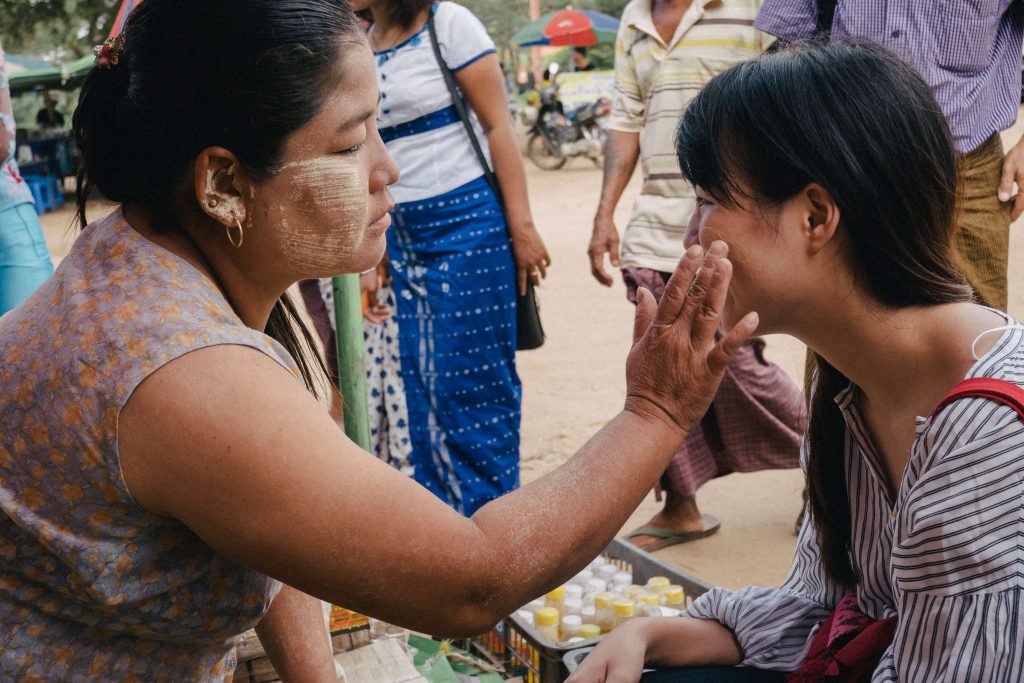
(855, 119)
(239, 74)
(400, 12)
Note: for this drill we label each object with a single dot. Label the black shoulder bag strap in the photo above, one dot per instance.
(529, 331)
(460, 108)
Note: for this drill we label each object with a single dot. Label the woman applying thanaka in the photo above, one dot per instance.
(839, 214)
(161, 458)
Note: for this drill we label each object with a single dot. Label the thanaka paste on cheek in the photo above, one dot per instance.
(322, 223)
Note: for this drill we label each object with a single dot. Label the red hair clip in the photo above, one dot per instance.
(108, 53)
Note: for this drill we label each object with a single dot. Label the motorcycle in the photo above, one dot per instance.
(556, 136)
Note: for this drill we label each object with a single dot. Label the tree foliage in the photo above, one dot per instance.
(503, 18)
(62, 30)
(56, 30)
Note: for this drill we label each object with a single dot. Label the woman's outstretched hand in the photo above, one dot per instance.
(675, 365)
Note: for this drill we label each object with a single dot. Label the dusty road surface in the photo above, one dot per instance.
(575, 383)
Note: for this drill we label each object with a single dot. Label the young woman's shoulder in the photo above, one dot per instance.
(452, 16)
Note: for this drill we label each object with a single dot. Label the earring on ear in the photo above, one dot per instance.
(212, 202)
(241, 233)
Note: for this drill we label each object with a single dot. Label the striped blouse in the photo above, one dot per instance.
(946, 556)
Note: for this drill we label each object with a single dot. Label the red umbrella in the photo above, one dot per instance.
(568, 27)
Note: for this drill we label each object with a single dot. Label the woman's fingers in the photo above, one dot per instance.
(710, 312)
(699, 290)
(646, 309)
(724, 350)
(678, 286)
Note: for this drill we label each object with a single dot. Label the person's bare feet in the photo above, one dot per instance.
(680, 518)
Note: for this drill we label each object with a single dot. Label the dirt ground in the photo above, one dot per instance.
(576, 382)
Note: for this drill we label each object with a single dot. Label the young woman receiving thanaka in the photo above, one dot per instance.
(839, 215)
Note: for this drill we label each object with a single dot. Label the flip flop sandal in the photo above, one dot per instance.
(668, 537)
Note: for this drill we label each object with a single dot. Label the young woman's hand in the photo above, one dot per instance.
(659, 642)
(618, 658)
(675, 365)
(374, 312)
(531, 256)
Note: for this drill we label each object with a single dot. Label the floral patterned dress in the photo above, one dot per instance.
(92, 586)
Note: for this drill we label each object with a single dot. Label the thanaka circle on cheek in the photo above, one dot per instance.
(323, 219)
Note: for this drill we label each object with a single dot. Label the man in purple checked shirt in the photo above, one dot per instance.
(969, 53)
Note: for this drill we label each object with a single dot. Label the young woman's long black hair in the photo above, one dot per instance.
(855, 119)
(240, 74)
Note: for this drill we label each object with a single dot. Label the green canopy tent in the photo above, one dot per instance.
(72, 74)
(64, 77)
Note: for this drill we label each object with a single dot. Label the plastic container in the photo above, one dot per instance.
(604, 614)
(606, 572)
(621, 579)
(593, 587)
(588, 631)
(556, 600)
(633, 592)
(582, 578)
(534, 605)
(624, 611)
(547, 623)
(656, 584)
(572, 606)
(526, 616)
(673, 597)
(523, 651)
(570, 627)
(649, 605)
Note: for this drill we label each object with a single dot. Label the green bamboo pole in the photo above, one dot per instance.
(348, 316)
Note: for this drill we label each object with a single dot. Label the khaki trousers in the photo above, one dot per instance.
(982, 242)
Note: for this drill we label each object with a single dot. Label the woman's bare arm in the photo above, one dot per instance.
(226, 441)
(293, 634)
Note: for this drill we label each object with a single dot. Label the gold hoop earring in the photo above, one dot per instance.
(241, 234)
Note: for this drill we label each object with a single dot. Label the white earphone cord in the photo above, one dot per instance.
(974, 344)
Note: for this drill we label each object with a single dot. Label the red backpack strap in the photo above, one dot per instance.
(1000, 390)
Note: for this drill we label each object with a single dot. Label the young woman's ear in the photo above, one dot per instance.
(219, 186)
(821, 218)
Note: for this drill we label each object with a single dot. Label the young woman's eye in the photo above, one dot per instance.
(702, 202)
(351, 150)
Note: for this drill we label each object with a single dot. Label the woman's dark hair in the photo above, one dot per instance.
(240, 74)
(853, 118)
(401, 12)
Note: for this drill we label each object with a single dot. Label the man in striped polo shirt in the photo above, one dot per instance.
(666, 51)
(969, 54)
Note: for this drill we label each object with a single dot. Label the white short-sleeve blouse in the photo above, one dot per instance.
(418, 122)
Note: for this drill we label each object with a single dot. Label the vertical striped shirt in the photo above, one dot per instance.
(946, 556)
(654, 81)
(967, 51)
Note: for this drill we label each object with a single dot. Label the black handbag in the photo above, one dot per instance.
(529, 331)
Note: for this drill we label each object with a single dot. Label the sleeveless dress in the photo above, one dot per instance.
(93, 587)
